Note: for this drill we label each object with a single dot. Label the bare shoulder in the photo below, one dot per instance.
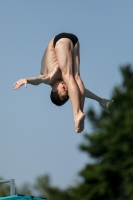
(44, 79)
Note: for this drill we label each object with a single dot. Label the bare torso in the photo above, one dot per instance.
(49, 64)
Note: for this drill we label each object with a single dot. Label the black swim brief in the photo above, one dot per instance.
(70, 36)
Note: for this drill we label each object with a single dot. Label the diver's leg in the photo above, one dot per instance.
(64, 53)
(76, 70)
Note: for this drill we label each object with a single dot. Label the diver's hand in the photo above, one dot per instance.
(103, 104)
(19, 83)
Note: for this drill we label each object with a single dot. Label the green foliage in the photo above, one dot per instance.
(111, 145)
(25, 189)
(4, 189)
(45, 189)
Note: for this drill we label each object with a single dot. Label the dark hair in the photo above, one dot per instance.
(55, 98)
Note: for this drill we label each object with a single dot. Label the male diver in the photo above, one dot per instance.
(60, 68)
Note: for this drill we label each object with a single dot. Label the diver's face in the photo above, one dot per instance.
(62, 89)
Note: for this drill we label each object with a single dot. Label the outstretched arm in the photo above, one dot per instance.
(102, 102)
(85, 93)
(33, 80)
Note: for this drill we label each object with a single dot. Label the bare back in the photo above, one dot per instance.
(49, 64)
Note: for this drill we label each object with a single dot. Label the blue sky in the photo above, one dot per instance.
(37, 137)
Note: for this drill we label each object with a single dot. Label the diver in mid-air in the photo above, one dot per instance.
(60, 68)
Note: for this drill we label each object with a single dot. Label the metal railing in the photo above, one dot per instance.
(11, 182)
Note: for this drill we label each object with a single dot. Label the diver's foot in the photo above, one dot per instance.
(103, 104)
(79, 122)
